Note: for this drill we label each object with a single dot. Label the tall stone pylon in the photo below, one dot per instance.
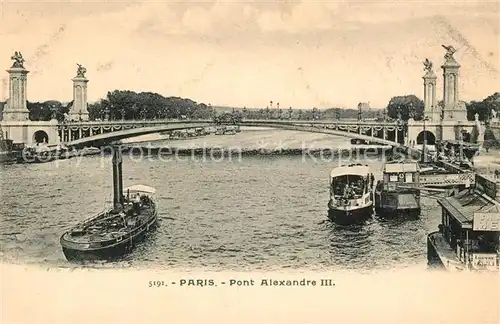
(78, 110)
(431, 110)
(16, 108)
(453, 108)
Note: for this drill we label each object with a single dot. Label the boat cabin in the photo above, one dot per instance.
(145, 195)
(403, 174)
(470, 224)
(352, 181)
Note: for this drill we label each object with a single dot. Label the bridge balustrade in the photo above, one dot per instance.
(447, 179)
(70, 131)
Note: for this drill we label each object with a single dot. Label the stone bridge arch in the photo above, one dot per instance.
(40, 136)
(426, 135)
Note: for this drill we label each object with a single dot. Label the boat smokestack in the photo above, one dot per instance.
(117, 177)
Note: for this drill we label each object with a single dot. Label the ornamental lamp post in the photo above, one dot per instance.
(426, 118)
(106, 114)
(53, 110)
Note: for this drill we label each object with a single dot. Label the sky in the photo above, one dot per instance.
(301, 54)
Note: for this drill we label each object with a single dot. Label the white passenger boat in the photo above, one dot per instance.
(351, 193)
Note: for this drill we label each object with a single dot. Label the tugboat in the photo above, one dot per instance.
(468, 238)
(351, 193)
(398, 192)
(113, 233)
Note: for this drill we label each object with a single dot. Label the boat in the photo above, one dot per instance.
(468, 237)
(398, 193)
(459, 149)
(113, 233)
(86, 151)
(351, 193)
(10, 152)
(178, 135)
(6, 156)
(44, 153)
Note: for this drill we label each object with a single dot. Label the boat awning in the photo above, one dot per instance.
(360, 170)
(139, 189)
(463, 206)
(401, 167)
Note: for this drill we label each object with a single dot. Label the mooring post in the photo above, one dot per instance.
(117, 177)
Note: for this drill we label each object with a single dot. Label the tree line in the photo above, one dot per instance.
(130, 105)
(410, 106)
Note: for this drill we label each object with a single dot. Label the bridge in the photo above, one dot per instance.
(100, 133)
(440, 123)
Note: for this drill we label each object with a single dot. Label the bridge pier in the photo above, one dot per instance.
(31, 132)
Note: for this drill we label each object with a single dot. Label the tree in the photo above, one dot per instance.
(315, 113)
(408, 106)
(338, 113)
(484, 108)
(45, 110)
(147, 105)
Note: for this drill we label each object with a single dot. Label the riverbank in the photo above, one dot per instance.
(355, 150)
(487, 162)
(248, 140)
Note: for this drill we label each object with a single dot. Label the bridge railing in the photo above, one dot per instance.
(263, 121)
(447, 179)
(131, 122)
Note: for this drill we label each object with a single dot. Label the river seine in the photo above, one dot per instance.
(255, 213)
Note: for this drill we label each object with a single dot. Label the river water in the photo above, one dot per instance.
(251, 213)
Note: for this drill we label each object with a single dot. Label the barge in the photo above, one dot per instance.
(468, 236)
(398, 193)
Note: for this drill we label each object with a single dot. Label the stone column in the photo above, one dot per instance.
(430, 107)
(79, 108)
(16, 108)
(450, 85)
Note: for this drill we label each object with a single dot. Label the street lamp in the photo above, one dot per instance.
(106, 114)
(53, 110)
(425, 139)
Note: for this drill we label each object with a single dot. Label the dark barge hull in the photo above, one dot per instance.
(388, 212)
(353, 216)
(113, 252)
(433, 259)
(388, 205)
